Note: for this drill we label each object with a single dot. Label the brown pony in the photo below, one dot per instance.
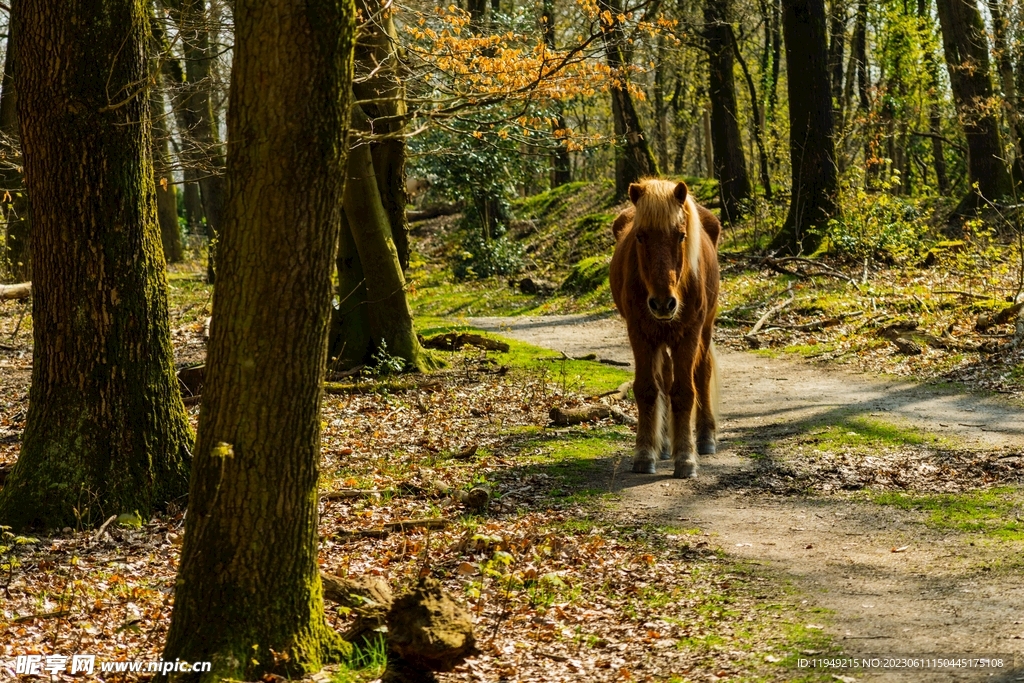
(664, 278)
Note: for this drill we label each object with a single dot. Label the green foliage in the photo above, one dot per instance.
(587, 275)
(481, 257)
(384, 363)
(875, 224)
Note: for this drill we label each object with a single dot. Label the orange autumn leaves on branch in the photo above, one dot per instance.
(458, 69)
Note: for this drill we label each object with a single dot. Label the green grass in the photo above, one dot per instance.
(996, 513)
(588, 377)
(862, 432)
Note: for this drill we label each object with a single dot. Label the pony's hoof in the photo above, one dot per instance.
(706, 448)
(666, 454)
(645, 467)
(686, 470)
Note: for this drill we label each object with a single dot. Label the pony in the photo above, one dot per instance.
(664, 279)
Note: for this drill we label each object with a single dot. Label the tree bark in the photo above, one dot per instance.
(387, 310)
(561, 164)
(730, 162)
(350, 342)
(381, 92)
(811, 140)
(12, 181)
(248, 595)
(106, 431)
(836, 49)
(633, 157)
(966, 47)
(166, 190)
(934, 113)
(1013, 103)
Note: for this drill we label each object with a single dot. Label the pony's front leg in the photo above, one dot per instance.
(683, 398)
(649, 425)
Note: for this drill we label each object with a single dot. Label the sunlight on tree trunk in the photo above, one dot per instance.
(248, 595)
(106, 431)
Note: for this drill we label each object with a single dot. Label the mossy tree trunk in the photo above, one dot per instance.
(166, 190)
(106, 430)
(351, 344)
(811, 137)
(12, 181)
(381, 92)
(248, 596)
(387, 309)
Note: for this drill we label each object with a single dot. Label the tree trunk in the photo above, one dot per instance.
(757, 117)
(389, 317)
(934, 112)
(966, 46)
(106, 431)
(166, 190)
(192, 102)
(561, 164)
(633, 157)
(860, 54)
(379, 87)
(350, 342)
(811, 143)
(12, 182)
(248, 596)
(193, 204)
(730, 163)
(836, 48)
(1012, 101)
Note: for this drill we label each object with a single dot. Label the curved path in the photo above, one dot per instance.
(943, 595)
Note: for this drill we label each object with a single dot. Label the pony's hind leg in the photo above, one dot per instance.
(649, 425)
(706, 379)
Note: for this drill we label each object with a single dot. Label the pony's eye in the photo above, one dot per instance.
(639, 238)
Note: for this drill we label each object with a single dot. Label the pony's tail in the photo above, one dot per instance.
(715, 386)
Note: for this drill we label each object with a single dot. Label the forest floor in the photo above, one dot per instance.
(895, 506)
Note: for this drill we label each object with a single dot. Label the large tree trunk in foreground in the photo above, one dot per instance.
(106, 431)
(12, 181)
(811, 141)
(966, 46)
(633, 156)
(730, 163)
(248, 595)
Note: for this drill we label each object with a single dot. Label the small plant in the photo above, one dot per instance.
(384, 363)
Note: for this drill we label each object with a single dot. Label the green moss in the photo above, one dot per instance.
(587, 275)
(997, 513)
(861, 431)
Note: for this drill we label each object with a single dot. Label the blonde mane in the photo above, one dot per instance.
(659, 208)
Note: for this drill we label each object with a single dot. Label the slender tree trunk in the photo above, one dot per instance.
(1013, 103)
(966, 46)
(660, 104)
(388, 314)
(860, 54)
(192, 101)
(709, 152)
(757, 118)
(836, 49)
(248, 596)
(934, 113)
(166, 190)
(12, 181)
(193, 204)
(730, 163)
(106, 431)
(633, 157)
(811, 143)
(561, 164)
(350, 342)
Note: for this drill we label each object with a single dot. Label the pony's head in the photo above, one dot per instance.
(667, 228)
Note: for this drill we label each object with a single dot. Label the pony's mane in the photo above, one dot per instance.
(659, 208)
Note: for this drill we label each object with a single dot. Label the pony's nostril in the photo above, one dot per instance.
(670, 305)
(652, 303)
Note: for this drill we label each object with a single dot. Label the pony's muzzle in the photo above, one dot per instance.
(663, 308)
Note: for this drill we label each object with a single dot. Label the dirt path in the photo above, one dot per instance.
(943, 595)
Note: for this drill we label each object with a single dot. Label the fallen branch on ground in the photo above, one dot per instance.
(453, 341)
(987, 320)
(565, 417)
(619, 393)
(22, 290)
(751, 336)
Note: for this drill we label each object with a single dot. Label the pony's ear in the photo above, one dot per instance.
(680, 192)
(635, 192)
